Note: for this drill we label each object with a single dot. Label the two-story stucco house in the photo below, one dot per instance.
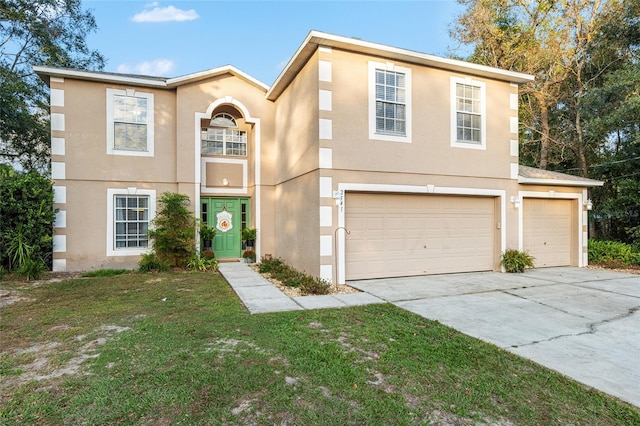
(360, 161)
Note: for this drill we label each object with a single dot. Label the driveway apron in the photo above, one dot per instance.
(583, 323)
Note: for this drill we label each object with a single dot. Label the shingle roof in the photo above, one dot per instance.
(532, 176)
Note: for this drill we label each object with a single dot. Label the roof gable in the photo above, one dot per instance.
(146, 81)
(316, 38)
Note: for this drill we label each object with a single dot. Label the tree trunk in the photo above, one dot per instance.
(545, 134)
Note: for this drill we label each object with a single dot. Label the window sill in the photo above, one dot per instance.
(468, 145)
(390, 137)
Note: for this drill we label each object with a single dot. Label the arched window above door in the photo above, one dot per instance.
(222, 137)
(223, 120)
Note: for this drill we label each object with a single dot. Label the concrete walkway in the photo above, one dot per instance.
(583, 323)
(260, 296)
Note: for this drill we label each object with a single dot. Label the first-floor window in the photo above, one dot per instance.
(131, 220)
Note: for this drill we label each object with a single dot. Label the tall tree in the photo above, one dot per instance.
(37, 32)
(547, 38)
(610, 112)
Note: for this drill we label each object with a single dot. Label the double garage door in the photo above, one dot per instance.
(393, 235)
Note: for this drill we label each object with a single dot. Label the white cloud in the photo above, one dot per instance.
(154, 13)
(158, 67)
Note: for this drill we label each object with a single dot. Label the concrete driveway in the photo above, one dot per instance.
(584, 323)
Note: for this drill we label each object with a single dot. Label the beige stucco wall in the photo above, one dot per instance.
(296, 177)
(430, 149)
(85, 134)
(86, 231)
(297, 223)
(297, 125)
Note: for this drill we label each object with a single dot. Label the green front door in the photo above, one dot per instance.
(228, 216)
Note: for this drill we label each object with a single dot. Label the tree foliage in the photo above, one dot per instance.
(580, 115)
(36, 32)
(26, 218)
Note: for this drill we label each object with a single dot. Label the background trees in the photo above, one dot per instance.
(27, 215)
(33, 32)
(581, 113)
(36, 32)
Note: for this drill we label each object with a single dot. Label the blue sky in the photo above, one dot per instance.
(173, 38)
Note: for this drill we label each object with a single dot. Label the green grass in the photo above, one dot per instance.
(179, 348)
(105, 273)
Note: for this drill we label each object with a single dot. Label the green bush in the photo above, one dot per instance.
(202, 264)
(105, 273)
(208, 254)
(314, 285)
(30, 269)
(289, 277)
(613, 254)
(27, 215)
(174, 232)
(271, 265)
(151, 263)
(516, 260)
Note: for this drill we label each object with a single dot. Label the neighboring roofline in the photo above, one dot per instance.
(555, 178)
(147, 81)
(140, 80)
(202, 75)
(317, 38)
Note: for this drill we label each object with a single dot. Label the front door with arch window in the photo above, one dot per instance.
(229, 216)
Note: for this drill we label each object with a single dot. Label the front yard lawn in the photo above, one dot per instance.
(179, 348)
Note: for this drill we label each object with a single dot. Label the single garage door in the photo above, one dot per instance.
(547, 231)
(394, 235)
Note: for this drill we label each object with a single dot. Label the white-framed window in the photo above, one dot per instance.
(222, 137)
(130, 123)
(468, 113)
(129, 215)
(389, 102)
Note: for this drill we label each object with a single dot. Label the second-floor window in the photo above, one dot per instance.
(389, 102)
(222, 137)
(391, 110)
(468, 114)
(130, 123)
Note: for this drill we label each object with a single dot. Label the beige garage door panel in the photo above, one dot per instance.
(400, 235)
(547, 231)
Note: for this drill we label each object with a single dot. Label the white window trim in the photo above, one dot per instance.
(372, 102)
(483, 114)
(150, 123)
(111, 193)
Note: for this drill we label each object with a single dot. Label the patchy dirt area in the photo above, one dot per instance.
(43, 361)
